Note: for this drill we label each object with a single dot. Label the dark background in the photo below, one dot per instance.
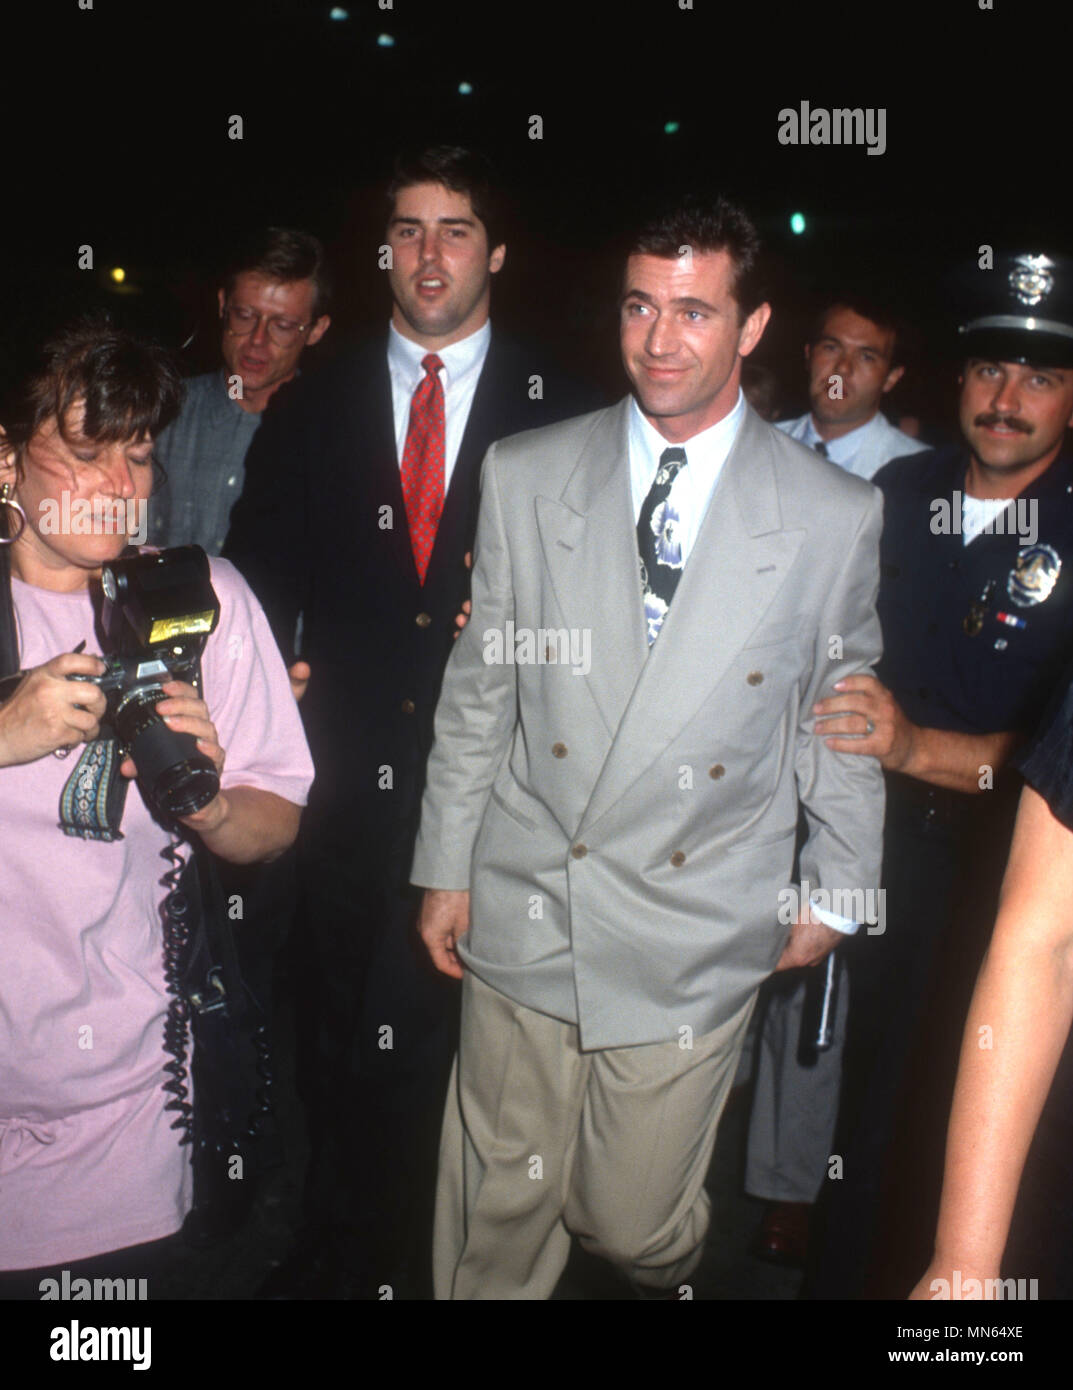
(116, 136)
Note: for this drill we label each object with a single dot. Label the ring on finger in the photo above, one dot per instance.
(869, 726)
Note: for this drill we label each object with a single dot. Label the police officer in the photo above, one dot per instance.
(976, 604)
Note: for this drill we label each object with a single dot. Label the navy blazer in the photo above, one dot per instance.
(321, 531)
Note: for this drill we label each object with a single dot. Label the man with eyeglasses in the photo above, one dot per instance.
(273, 305)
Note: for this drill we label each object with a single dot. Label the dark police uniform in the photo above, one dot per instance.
(973, 635)
(976, 637)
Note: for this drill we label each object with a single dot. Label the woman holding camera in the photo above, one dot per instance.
(89, 1160)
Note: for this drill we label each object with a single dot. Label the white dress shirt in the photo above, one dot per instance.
(462, 364)
(692, 489)
(690, 493)
(862, 451)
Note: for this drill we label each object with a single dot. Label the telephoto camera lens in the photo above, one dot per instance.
(177, 779)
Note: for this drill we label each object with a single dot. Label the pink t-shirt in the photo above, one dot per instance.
(88, 1161)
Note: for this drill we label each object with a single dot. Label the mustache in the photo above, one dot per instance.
(1010, 422)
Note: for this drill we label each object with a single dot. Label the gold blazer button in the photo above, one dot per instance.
(678, 859)
(423, 619)
(755, 677)
(408, 707)
(716, 772)
(580, 851)
(558, 750)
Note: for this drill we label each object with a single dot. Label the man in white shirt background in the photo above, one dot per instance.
(853, 360)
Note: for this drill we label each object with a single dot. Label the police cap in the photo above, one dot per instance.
(1019, 311)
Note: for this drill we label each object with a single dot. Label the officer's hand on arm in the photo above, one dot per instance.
(810, 942)
(868, 712)
(444, 918)
(299, 675)
(48, 711)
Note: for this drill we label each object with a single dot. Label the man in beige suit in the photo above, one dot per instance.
(661, 593)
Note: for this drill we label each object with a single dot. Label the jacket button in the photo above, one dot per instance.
(678, 859)
(423, 620)
(755, 677)
(716, 772)
(408, 706)
(580, 851)
(558, 750)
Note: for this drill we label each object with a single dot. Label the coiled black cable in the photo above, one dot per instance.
(176, 916)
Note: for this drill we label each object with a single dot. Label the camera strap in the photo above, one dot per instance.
(93, 797)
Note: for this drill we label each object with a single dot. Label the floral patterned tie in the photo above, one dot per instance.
(658, 543)
(423, 463)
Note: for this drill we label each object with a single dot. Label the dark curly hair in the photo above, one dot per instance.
(129, 388)
(706, 225)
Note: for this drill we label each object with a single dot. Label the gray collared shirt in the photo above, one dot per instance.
(204, 453)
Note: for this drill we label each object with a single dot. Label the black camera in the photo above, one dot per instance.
(157, 613)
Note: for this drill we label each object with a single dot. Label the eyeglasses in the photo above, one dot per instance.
(242, 321)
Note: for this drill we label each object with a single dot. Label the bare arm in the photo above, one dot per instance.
(1016, 1029)
(939, 756)
(247, 825)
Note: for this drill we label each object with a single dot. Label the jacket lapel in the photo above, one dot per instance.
(369, 444)
(588, 538)
(738, 564)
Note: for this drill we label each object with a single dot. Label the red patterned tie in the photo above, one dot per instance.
(423, 463)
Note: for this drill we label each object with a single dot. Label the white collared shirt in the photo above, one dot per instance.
(843, 450)
(692, 489)
(862, 451)
(462, 365)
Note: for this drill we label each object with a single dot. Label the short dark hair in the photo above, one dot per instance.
(867, 307)
(286, 254)
(706, 225)
(130, 387)
(462, 171)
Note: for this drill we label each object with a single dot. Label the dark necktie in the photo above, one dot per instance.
(658, 544)
(423, 463)
(821, 448)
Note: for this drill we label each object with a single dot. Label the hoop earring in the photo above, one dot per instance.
(6, 500)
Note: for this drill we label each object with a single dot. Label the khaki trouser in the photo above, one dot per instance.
(542, 1141)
